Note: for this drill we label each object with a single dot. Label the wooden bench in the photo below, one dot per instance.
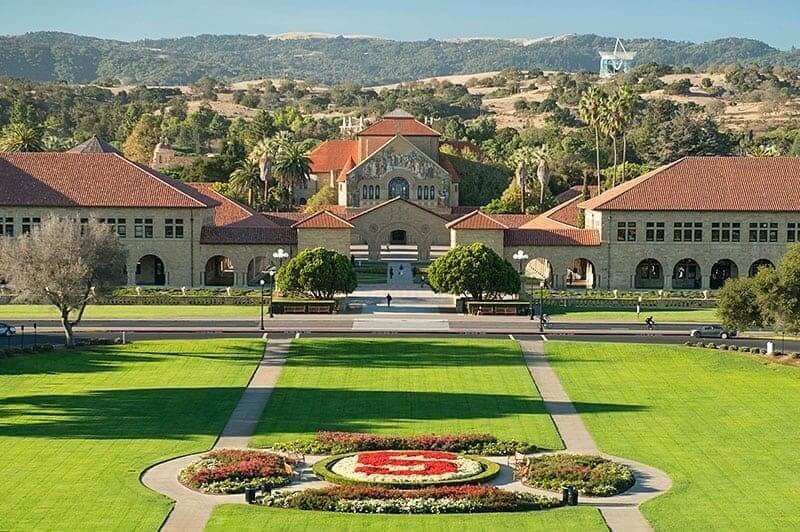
(294, 309)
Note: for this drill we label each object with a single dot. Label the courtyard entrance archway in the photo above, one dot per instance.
(721, 271)
(219, 271)
(150, 271)
(649, 274)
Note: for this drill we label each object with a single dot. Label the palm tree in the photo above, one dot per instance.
(763, 150)
(589, 108)
(21, 137)
(264, 153)
(292, 166)
(246, 179)
(626, 99)
(542, 156)
(523, 158)
(612, 125)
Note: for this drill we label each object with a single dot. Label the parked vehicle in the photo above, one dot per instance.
(712, 331)
(7, 330)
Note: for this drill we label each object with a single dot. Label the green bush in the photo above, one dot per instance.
(590, 475)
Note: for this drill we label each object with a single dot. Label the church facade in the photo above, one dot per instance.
(689, 225)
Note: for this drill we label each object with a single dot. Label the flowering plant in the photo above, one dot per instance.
(591, 475)
(233, 470)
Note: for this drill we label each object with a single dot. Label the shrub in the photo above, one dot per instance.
(233, 470)
(734, 347)
(450, 499)
(711, 345)
(688, 344)
(351, 442)
(591, 475)
(795, 355)
(724, 347)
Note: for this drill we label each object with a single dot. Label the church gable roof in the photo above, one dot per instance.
(399, 122)
(386, 152)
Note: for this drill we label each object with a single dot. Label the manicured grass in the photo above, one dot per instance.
(660, 316)
(22, 312)
(78, 428)
(724, 426)
(406, 386)
(242, 518)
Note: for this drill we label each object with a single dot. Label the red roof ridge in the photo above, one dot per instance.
(613, 193)
(170, 182)
(324, 219)
(476, 220)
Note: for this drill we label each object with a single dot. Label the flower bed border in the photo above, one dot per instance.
(322, 470)
(232, 484)
(616, 485)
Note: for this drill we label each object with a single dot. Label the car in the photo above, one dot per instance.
(7, 330)
(712, 331)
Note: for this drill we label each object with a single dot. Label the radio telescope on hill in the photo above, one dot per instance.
(616, 61)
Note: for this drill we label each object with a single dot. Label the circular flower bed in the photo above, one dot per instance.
(436, 500)
(590, 475)
(409, 468)
(233, 470)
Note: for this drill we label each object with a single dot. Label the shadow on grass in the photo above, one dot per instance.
(383, 353)
(308, 410)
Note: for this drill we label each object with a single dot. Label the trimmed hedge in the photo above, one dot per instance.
(369, 499)
(591, 475)
(322, 470)
(27, 350)
(328, 442)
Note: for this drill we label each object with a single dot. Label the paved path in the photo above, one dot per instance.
(193, 509)
(621, 512)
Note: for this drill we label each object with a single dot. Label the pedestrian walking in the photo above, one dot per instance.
(391, 273)
(638, 310)
(388, 300)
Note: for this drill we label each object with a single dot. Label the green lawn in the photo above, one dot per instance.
(78, 428)
(406, 386)
(723, 425)
(661, 316)
(40, 312)
(242, 518)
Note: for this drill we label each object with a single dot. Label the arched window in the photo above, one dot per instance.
(364, 192)
(371, 192)
(425, 192)
(398, 187)
(419, 191)
(377, 192)
(433, 192)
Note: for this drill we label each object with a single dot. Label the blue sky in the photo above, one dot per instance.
(773, 21)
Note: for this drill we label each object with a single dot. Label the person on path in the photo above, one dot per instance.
(638, 310)
(388, 300)
(391, 273)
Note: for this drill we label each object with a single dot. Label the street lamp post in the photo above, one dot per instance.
(280, 256)
(262, 282)
(271, 293)
(520, 256)
(541, 306)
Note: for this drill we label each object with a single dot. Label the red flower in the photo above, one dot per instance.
(403, 463)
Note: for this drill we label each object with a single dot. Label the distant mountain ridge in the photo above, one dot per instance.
(51, 56)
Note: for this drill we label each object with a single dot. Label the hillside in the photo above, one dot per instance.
(50, 56)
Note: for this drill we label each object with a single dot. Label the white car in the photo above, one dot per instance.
(7, 330)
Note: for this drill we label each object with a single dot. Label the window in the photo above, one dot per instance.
(626, 231)
(173, 228)
(793, 232)
(143, 228)
(725, 232)
(419, 192)
(654, 232)
(364, 192)
(433, 192)
(425, 192)
(371, 192)
(377, 192)
(763, 232)
(84, 223)
(117, 225)
(687, 231)
(30, 224)
(122, 227)
(6, 226)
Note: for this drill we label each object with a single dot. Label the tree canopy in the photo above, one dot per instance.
(319, 272)
(474, 271)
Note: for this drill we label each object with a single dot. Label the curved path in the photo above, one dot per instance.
(193, 509)
(621, 512)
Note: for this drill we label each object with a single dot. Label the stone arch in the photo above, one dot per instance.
(686, 275)
(721, 271)
(757, 265)
(150, 271)
(649, 274)
(257, 269)
(540, 269)
(219, 271)
(581, 273)
(399, 187)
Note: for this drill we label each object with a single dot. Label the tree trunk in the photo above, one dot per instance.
(624, 153)
(522, 194)
(614, 179)
(597, 158)
(541, 198)
(69, 334)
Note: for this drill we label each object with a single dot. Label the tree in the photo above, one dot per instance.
(626, 101)
(292, 166)
(589, 107)
(141, 142)
(737, 305)
(474, 271)
(542, 156)
(246, 180)
(778, 292)
(19, 136)
(320, 272)
(326, 195)
(612, 123)
(65, 264)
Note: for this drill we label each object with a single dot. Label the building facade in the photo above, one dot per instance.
(689, 225)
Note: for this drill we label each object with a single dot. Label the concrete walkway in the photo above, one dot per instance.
(192, 509)
(621, 512)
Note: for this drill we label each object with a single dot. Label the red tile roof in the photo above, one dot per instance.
(332, 155)
(476, 220)
(447, 164)
(512, 221)
(89, 180)
(230, 212)
(349, 165)
(323, 220)
(248, 235)
(284, 218)
(710, 184)
(397, 198)
(551, 237)
(406, 126)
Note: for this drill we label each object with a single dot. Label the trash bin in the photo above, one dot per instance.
(565, 495)
(573, 496)
(250, 495)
